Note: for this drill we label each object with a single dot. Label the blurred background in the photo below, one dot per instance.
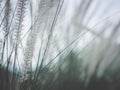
(59, 44)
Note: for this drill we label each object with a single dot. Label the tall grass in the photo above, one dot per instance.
(41, 48)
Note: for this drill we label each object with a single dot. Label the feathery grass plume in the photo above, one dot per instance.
(49, 38)
(20, 14)
(42, 16)
(19, 19)
(5, 29)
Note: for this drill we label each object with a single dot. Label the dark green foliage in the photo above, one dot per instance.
(95, 66)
